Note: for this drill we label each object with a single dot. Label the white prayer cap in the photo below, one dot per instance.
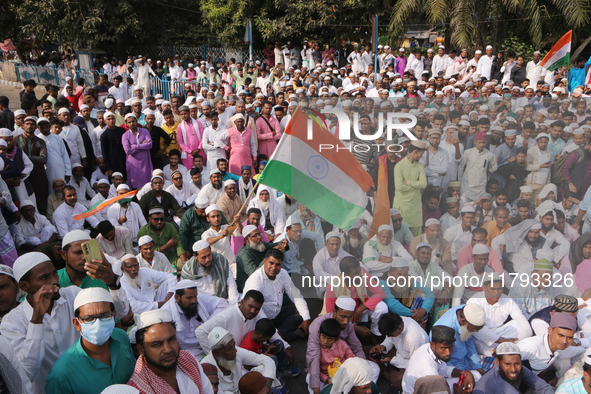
(76, 165)
(144, 240)
(130, 115)
(537, 53)
(156, 177)
(424, 245)
(3, 143)
(478, 52)
(138, 87)
(480, 249)
(214, 171)
(127, 256)
(6, 270)
(347, 103)
(399, 262)
(155, 210)
(206, 103)
(467, 209)
(26, 203)
(401, 50)
(73, 236)
(431, 221)
(92, 295)
(248, 229)
(4, 132)
(62, 110)
(394, 211)
(510, 132)
(537, 226)
(185, 284)
(332, 234)
(217, 335)
(507, 348)
(42, 119)
(229, 182)
(238, 116)
(27, 262)
(200, 245)
(117, 174)
(155, 316)
(123, 186)
(84, 106)
(384, 227)
(159, 101)
(121, 388)
(346, 303)
(356, 224)
(526, 189)
(475, 315)
(545, 254)
(191, 106)
(212, 208)
(201, 202)
(19, 112)
(68, 78)
(542, 135)
(579, 131)
(489, 47)
(107, 114)
(148, 111)
(190, 65)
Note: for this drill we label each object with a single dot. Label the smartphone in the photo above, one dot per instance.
(91, 251)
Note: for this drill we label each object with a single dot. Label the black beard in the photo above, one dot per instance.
(158, 365)
(216, 186)
(528, 241)
(189, 312)
(506, 378)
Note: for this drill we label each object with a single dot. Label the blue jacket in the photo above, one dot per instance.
(464, 356)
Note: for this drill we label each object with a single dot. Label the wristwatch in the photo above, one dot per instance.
(115, 285)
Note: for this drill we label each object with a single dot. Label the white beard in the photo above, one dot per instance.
(260, 247)
(137, 282)
(435, 242)
(465, 334)
(227, 364)
(265, 204)
(385, 250)
(354, 242)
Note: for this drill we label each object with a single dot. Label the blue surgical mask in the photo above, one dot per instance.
(98, 332)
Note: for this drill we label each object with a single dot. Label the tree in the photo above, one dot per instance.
(470, 21)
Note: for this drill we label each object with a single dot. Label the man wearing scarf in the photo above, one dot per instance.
(352, 241)
(246, 183)
(531, 298)
(230, 203)
(190, 137)
(211, 273)
(272, 218)
(381, 249)
(368, 296)
(151, 368)
(404, 297)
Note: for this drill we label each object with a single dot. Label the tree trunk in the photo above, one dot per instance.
(580, 49)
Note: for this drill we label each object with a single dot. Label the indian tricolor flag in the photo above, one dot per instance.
(559, 55)
(330, 182)
(99, 206)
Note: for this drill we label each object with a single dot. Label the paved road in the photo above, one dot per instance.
(296, 385)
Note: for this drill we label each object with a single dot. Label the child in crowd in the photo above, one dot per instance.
(334, 351)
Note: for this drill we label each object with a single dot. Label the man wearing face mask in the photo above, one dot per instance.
(101, 343)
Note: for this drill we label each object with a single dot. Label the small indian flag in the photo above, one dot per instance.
(99, 206)
(559, 55)
(319, 172)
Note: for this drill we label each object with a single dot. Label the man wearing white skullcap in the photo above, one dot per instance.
(243, 154)
(146, 288)
(190, 308)
(226, 355)
(230, 203)
(34, 227)
(148, 186)
(40, 328)
(58, 161)
(441, 248)
(126, 213)
(149, 257)
(460, 235)
(402, 233)
(326, 262)
(211, 271)
(473, 273)
(10, 290)
(152, 368)
(250, 257)
(95, 320)
(352, 240)
(343, 312)
(63, 217)
(71, 134)
(465, 320)
(381, 249)
(159, 197)
(103, 187)
(81, 184)
(218, 235)
(179, 190)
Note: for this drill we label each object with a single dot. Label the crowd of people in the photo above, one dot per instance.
(140, 254)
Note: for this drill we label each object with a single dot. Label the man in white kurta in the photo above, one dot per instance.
(381, 249)
(218, 339)
(146, 289)
(71, 134)
(63, 217)
(412, 337)
(460, 234)
(58, 162)
(38, 232)
(149, 257)
(129, 215)
(205, 307)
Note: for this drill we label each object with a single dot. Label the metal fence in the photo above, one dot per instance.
(216, 54)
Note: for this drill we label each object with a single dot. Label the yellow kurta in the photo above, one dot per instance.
(407, 198)
(493, 230)
(171, 131)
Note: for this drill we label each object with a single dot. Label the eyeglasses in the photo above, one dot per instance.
(91, 319)
(177, 178)
(399, 220)
(158, 219)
